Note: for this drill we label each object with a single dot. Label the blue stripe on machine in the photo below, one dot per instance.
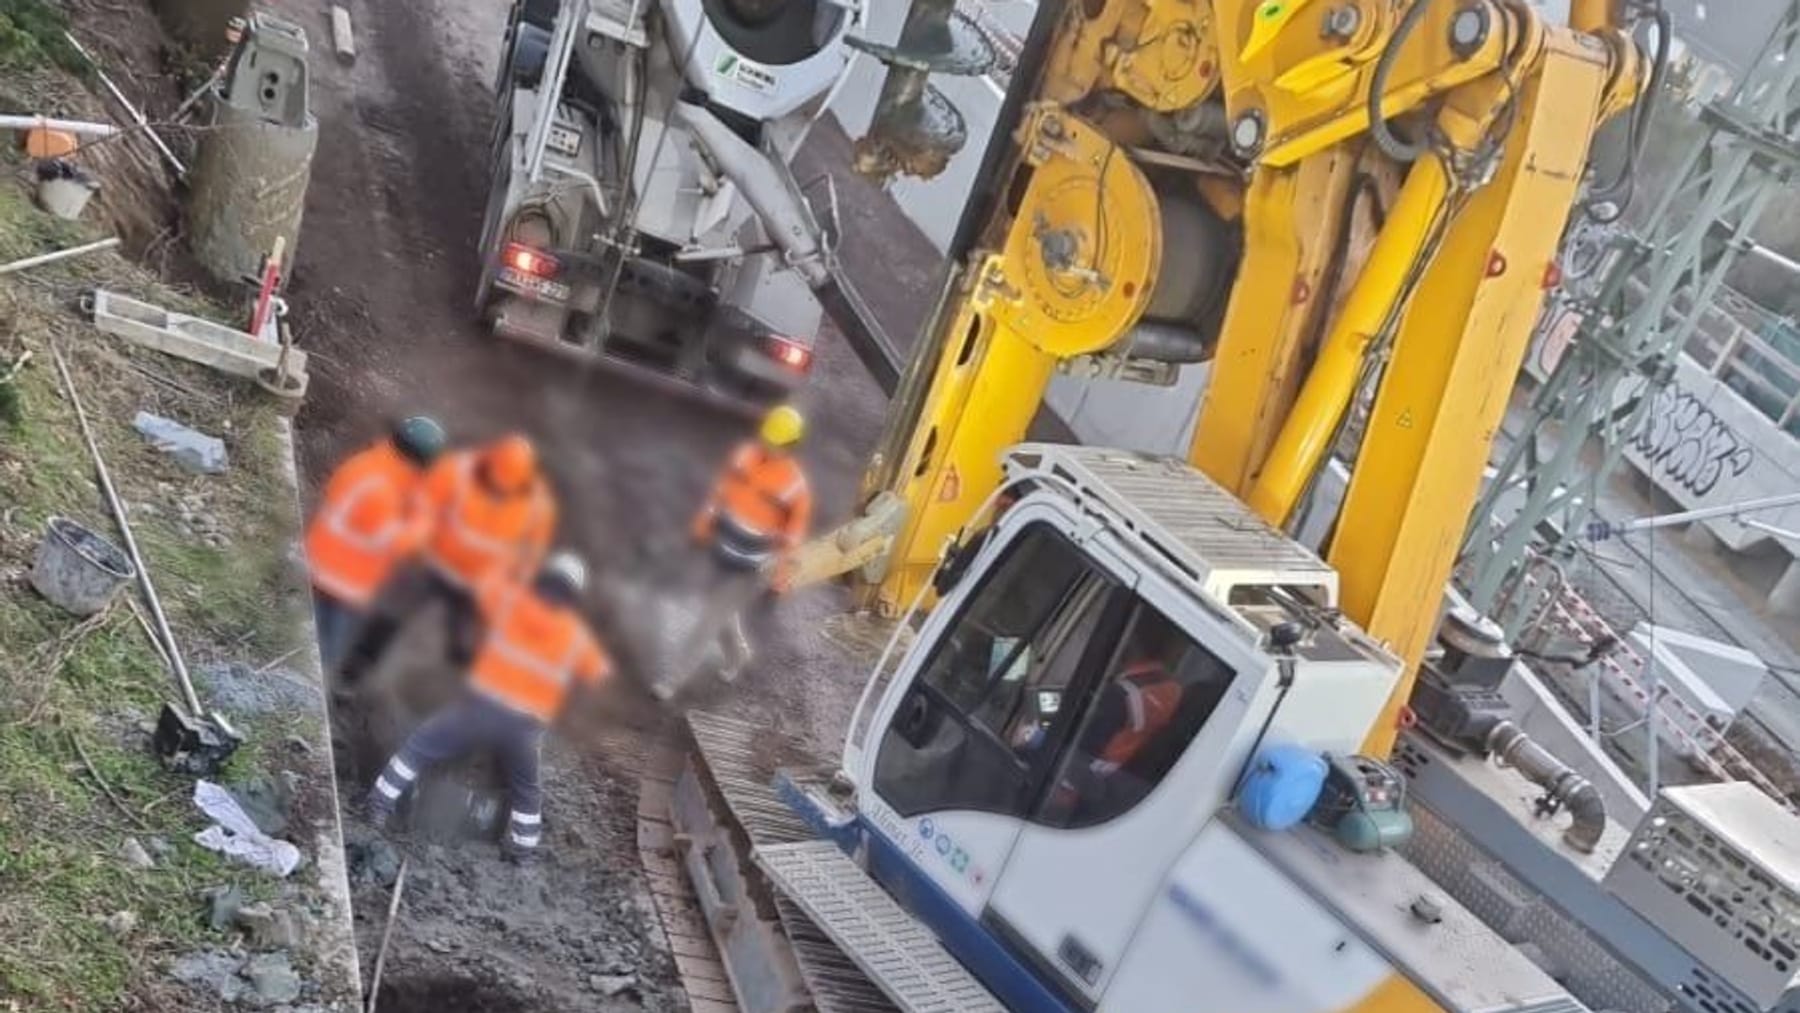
(987, 957)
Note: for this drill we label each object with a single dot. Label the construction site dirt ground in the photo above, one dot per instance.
(382, 294)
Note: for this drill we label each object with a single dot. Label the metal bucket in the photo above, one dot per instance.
(77, 569)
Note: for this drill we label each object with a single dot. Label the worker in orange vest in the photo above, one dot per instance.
(371, 516)
(757, 515)
(1137, 705)
(535, 649)
(492, 513)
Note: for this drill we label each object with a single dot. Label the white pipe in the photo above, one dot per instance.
(9, 121)
(55, 255)
(1773, 530)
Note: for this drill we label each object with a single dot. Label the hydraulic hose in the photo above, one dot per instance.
(1390, 143)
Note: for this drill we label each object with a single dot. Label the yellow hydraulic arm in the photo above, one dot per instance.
(1168, 149)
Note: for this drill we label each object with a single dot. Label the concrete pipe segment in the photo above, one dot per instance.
(249, 178)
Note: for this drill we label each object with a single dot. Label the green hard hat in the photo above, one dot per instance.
(419, 438)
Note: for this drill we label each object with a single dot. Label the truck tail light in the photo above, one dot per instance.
(527, 260)
(792, 354)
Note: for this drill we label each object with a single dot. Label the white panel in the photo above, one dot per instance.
(1231, 934)
(1124, 861)
(960, 851)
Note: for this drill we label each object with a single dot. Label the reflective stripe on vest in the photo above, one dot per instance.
(337, 519)
(1151, 697)
(557, 673)
(740, 545)
(781, 500)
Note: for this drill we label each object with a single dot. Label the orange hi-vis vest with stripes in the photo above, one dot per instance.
(1151, 697)
(477, 533)
(762, 503)
(533, 651)
(372, 515)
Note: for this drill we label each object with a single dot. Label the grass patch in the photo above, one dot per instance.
(217, 547)
(31, 35)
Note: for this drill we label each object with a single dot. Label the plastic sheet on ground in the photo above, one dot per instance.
(236, 835)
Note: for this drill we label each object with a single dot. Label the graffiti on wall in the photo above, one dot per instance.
(1685, 442)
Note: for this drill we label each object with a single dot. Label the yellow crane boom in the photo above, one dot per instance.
(1181, 186)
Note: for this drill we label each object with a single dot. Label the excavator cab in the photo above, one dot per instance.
(1075, 715)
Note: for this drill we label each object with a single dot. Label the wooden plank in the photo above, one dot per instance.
(711, 1006)
(342, 39)
(663, 884)
(687, 925)
(693, 946)
(662, 865)
(702, 969)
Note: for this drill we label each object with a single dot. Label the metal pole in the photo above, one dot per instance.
(1652, 710)
(387, 934)
(131, 548)
(1703, 513)
(137, 116)
(1594, 703)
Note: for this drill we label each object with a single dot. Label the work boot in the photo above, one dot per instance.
(378, 811)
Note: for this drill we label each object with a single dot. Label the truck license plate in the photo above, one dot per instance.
(543, 288)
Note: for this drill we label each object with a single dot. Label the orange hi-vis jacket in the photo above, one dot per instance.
(372, 515)
(761, 503)
(477, 533)
(1151, 697)
(533, 651)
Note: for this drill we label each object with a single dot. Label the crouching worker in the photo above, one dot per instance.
(372, 516)
(535, 648)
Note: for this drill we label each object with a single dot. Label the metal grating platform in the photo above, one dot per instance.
(741, 759)
(1205, 533)
(893, 949)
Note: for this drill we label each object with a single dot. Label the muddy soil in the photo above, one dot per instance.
(382, 294)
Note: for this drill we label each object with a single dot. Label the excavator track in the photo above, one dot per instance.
(721, 806)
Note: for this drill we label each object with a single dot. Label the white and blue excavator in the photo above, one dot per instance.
(1124, 744)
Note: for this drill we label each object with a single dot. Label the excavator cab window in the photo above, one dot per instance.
(980, 726)
(1159, 691)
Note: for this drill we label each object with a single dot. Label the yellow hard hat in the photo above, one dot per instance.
(783, 426)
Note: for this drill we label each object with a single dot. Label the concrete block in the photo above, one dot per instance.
(1714, 677)
(1784, 597)
(192, 448)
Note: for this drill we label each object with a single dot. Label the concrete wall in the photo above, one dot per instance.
(1706, 446)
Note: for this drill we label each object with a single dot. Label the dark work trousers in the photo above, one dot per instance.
(406, 596)
(337, 623)
(473, 723)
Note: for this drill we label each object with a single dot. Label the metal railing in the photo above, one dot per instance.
(1761, 363)
(1626, 672)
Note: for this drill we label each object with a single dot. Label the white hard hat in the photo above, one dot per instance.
(568, 568)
